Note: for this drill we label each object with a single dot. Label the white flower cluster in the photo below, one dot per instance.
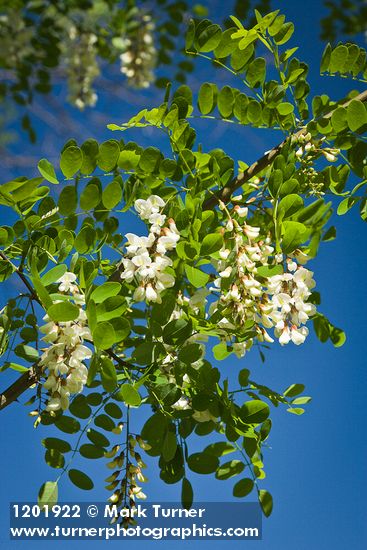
(308, 145)
(139, 58)
(146, 260)
(15, 37)
(80, 54)
(290, 310)
(278, 302)
(243, 298)
(63, 361)
(308, 152)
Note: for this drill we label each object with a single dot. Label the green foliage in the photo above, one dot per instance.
(139, 319)
(57, 444)
(325, 330)
(345, 59)
(344, 17)
(243, 488)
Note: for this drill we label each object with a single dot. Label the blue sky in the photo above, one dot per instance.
(316, 466)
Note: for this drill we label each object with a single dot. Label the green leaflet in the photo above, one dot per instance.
(293, 235)
(47, 171)
(71, 161)
(187, 493)
(207, 98)
(63, 312)
(255, 412)
(48, 494)
(243, 488)
(109, 152)
(356, 115)
(209, 38)
(203, 463)
(129, 395)
(266, 502)
(90, 150)
(80, 479)
(108, 374)
(196, 277)
(90, 197)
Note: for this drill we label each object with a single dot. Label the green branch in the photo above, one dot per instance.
(226, 192)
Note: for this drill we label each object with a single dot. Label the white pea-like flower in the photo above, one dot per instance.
(139, 294)
(329, 156)
(229, 225)
(251, 231)
(182, 404)
(224, 253)
(298, 335)
(66, 282)
(241, 212)
(225, 273)
(240, 348)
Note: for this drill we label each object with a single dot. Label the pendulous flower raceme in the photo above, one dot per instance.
(63, 360)
(138, 59)
(290, 309)
(247, 296)
(80, 55)
(146, 260)
(124, 482)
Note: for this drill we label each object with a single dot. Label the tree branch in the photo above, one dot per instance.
(22, 384)
(26, 380)
(21, 275)
(30, 377)
(226, 192)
